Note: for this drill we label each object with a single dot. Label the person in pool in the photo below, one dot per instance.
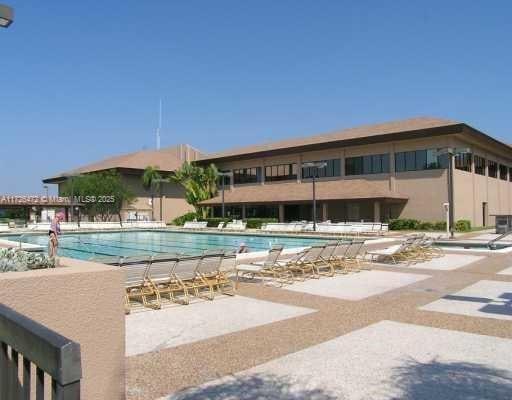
(53, 234)
(242, 248)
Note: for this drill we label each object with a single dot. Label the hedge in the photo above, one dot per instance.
(462, 225)
(414, 225)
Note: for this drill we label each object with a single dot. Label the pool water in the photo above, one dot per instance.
(86, 246)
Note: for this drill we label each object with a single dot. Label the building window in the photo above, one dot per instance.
(503, 172)
(463, 161)
(262, 212)
(510, 174)
(226, 178)
(364, 165)
(479, 165)
(333, 168)
(282, 172)
(420, 160)
(492, 167)
(247, 175)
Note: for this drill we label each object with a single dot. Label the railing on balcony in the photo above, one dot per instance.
(25, 343)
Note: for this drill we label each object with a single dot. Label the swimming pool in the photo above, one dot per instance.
(86, 246)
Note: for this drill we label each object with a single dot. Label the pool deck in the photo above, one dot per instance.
(418, 333)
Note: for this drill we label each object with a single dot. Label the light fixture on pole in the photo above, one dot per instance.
(451, 151)
(315, 166)
(6, 16)
(223, 175)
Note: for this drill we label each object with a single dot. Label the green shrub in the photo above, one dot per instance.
(190, 216)
(463, 225)
(403, 224)
(426, 226)
(255, 223)
(440, 226)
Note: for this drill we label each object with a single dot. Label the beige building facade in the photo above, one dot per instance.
(371, 173)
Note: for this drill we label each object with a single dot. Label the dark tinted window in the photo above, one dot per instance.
(492, 167)
(247, 175)
(463, 162)
(374, 164)
(227, 180)
(479, 165)
(503, 172)
(419, 160)
(400, 161)
(333, 168)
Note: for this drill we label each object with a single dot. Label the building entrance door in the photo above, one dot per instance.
(485, 212)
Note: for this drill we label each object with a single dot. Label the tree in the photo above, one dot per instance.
(150, 179)
(101, 194)
(200, 184)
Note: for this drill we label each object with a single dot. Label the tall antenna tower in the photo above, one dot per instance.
(159, 126)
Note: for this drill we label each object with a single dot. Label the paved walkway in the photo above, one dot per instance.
(395, 327)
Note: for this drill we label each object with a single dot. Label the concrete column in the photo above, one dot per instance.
(243, 211)
(376, 211)
(325, 211)
(281, 212)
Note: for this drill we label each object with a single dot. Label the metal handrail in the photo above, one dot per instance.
(25, 234)
(491, 244)
(49, 351)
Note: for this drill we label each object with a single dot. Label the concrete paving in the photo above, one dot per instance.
(177, 325)
(507, 271)
(381, 361)
(155, 374)
(448, 262)
(356, 286)
(486, 299)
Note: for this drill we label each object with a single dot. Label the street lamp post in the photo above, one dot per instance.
(6, 16)
(450, 152)
(315, 166)
(223, 175)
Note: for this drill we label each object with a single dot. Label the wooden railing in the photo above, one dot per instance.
(26, 343)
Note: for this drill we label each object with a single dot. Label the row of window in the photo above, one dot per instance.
(416, 160)
(420, 160)
(374, 164)
(463, 163)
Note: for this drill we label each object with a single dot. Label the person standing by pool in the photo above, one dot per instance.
(53, 233)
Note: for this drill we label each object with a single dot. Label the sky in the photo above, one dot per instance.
(81, 81)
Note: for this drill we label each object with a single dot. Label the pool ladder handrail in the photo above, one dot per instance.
(20, 243)
(491, 244)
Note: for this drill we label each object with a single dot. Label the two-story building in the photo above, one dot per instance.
(373, 173)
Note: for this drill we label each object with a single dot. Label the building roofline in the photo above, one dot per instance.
(453, 128)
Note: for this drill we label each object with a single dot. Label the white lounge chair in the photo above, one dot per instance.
(392, 252)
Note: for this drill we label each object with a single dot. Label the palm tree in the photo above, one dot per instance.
(200, 184)
(150, 179)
